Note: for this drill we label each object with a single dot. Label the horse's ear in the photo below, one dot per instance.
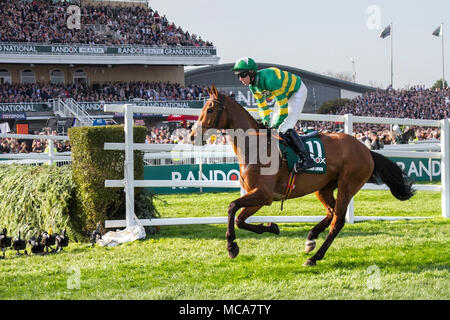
(214, 91)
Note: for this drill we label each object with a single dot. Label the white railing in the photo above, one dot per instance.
(213, 154)
(128, 183)
(176, 154)
(50, 157)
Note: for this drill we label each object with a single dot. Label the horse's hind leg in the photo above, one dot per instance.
(327, 198)
(337, 223)
(346, 190)
(257, 228)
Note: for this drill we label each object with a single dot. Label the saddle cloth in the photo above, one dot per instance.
(315, 148)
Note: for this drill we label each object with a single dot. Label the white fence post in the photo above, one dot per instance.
(129, 166)
(445, 167)
(348, 129)
(51, 151)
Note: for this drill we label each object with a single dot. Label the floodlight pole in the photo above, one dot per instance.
(392, 57)
(443, 72)
(354, 70)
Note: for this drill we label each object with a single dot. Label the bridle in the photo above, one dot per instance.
(220, 111)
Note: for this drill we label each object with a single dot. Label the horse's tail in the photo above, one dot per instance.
(389, 173)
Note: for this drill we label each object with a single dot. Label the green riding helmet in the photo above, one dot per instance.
(244, 63)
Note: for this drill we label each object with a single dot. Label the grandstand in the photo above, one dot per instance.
(320, 88)
(53, 75)
(123, 50)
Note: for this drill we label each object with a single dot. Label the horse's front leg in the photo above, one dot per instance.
(256, 228)
(255, 198)
(232, 247)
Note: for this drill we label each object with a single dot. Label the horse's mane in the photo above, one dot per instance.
(253, 121)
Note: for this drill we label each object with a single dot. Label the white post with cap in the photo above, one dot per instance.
(348, 129)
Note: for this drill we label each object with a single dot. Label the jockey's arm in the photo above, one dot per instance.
(263, 108)
(278, 89)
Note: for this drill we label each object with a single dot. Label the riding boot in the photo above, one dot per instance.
(305, 161)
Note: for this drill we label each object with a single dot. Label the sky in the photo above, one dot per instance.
(323, 36)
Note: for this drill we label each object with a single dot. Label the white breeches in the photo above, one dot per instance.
(295, 107)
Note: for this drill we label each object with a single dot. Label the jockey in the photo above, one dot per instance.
(289, 92)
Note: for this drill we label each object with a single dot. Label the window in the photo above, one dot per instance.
(5, 76)
(80, 77)
(27, 76)
(56, 76)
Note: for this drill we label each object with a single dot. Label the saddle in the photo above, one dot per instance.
(309, 135)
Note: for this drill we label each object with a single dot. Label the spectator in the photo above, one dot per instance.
(59, 146)
(4, 146)
(376, 142)
(398, 136)
(37, 146)
(67, 147)
(23, 148)
(14, 146)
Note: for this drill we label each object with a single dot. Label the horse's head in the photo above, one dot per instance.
(213, 115)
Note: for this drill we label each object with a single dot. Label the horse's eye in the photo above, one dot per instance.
(209, 110)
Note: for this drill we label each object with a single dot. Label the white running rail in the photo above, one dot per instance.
(128, 183)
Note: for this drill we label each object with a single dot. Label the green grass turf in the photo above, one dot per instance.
(406, 259)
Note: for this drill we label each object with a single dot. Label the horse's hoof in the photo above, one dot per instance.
(310, 245)
(274, 228)
(233, 251)
(309, 263)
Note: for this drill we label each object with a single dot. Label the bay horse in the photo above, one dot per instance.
(350, 164)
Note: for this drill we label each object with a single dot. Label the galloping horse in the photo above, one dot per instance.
(350, 164)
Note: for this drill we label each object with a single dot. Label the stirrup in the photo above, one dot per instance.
(303, 165)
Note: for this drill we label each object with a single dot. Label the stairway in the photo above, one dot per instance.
(69, 108)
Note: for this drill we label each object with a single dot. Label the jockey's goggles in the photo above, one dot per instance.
(242, 74)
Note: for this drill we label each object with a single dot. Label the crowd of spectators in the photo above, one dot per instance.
(109, 91)
(45, 21)
(14, 145)
(373, 138)
(413, 103)
(181, 135)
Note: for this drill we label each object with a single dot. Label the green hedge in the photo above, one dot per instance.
(34, 198)
(92, 165)
(73, 197)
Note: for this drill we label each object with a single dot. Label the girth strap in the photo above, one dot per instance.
(289, 187)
